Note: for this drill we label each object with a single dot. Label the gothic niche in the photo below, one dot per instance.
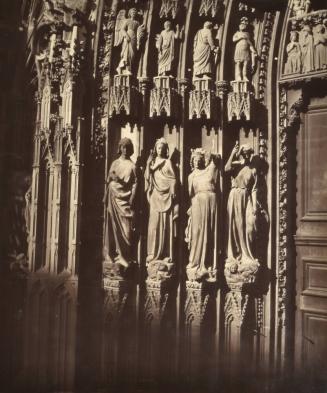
(162, 99)
(201, 231)
(205, 60)
(161, 189)
(120, 213)
(245, 60)
(129, 35)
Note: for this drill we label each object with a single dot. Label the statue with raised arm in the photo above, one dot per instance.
(161, 189)
(120, 198)
(242, 214)
(201, 231)
(166, 48)
(245, 52)
(205, 52)
(128, 34)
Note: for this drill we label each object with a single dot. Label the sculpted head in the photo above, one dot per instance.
(125, 147)
(244, 23)
(306, 30)
(132, 13)
(161, 148)
(246, 151)
(207, 25)
(198, 159)
(294, 36)
(167, 25)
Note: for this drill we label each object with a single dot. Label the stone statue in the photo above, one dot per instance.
(293, 49)
(166, 48)
(160, 180)
(307, 6)
(242, 212)
(320, 48)
(201, 232)
(298, 8)
(306, 41)
(205, 52)
(245, 53)
(129, 34)
(301, 7)
(120, 197)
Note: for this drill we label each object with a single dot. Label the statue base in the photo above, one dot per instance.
(239, 273)
(118, 271)
(240, 101)
(160, 270)
(123, 96)
(163, 97)
(202, 99)
(198, 275)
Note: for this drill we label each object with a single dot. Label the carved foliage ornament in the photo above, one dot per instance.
(282, 254)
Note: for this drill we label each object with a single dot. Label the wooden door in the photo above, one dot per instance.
(311, 245)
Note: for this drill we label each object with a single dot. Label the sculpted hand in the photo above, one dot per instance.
(236, 150)
(150, 158)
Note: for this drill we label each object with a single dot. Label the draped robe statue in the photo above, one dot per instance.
(320, 48)
(242, 213)
(160, 178)
(201, 232)
(120, 197)
(307, 56)
(128, 34)
(204, 51)
(293, 49)
(166, 49)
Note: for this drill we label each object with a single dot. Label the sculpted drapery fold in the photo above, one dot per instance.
(201, 232)
(161, 189)
(120, 196)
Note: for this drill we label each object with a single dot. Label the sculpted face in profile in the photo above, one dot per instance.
(201, 232)
(160, 179)
(120, 197)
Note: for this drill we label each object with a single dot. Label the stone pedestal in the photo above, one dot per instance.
(200, 328)
(123, 96)
(119, 334)
(240, 101)
(163, 97)
(202, 99)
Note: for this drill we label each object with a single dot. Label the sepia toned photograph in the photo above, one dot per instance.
(163, 196)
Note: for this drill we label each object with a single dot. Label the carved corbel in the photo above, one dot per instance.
(240, 101)
(202, 101)
(124, 97)
(163, 97)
